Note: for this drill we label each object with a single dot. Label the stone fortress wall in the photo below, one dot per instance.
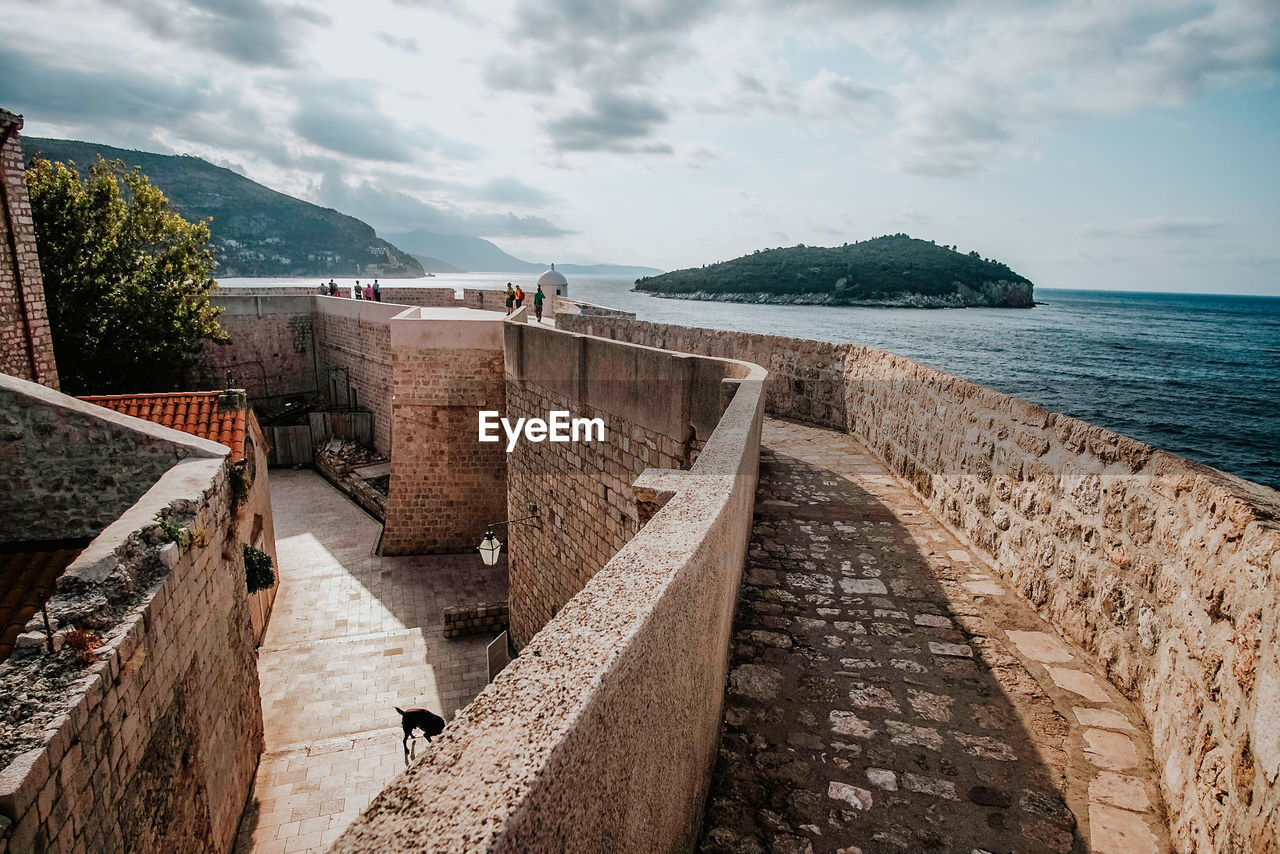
(68, 471)
(567, 729)
(1166, 570)
(583, 490)
(271, 355)
(286, 341)
(26, 343)
(422, 385)
(153, 744)
(353, 343)
(445, 486)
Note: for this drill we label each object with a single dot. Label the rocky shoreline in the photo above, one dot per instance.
(993, 295)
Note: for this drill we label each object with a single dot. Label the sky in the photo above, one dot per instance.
(1118, 144)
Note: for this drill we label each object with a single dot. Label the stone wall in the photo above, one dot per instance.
(488, 618)
(445, 485)
(1168, 571)
(432, 297)
(422, 374)
(70, 467)
(658, 407)
(806, 378)
(354, 345)
(561, 752)
(254, 521)
(272, 352)
(151, 743)
(26, 344)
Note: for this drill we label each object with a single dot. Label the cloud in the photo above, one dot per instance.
(97, 96)
(393, 211)
(342, 116)
(990, 83)
(250, 32)
(825, 97)
(609, 53)
(518, 74)
(1158, 226)
(612, 122)
(406, 44)
(513, 191)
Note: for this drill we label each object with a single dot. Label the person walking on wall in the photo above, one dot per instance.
(511, 297)
(368, 292)
(519, 296)
(377, 291)
(333, 288)
(356, 291)
(538, 298)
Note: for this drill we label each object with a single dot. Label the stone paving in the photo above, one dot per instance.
(351, 635)
(888, 693)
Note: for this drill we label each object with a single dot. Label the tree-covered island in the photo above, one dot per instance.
(894, 270)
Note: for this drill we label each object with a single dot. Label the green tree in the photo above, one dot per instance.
(126, 279)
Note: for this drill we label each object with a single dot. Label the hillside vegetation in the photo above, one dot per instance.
(255, 231)
(895, 270)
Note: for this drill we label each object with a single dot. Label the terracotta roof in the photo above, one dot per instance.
(197, 413)
(28, 574)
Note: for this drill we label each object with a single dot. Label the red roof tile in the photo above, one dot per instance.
(28, 575)
(196, 413)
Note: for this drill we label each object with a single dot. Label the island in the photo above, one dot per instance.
(895, 270)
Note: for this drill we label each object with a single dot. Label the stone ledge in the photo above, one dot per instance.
(484, 619)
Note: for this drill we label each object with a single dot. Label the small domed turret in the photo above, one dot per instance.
(554, 282)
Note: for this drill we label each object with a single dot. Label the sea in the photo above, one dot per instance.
(1195, 374)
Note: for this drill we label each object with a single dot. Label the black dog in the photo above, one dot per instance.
(420, 719)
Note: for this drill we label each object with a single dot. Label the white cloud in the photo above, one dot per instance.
(542, 119)
(1000, 81)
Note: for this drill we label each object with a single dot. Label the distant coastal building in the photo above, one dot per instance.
(554, 282)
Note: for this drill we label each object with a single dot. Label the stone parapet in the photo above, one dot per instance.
(1167, 570)
(806, 378)
(567, 729)
(658, 407)
(70, 467)
(146, 739)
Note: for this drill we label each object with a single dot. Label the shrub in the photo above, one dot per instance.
(258, 569)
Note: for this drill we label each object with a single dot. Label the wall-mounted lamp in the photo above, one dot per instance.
(490, 547)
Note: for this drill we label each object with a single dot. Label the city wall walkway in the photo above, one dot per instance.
(352, 634)
(888, 693)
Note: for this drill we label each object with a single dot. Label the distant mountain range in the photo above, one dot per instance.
(255, 230)
(258, 232)
(894, 270)
(474, 253)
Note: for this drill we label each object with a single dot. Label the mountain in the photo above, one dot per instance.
(466, 253)
(479, 255)
(255, 231)
(435, 265)
(895, 270)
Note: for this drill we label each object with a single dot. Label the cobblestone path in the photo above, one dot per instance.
(888, 693)
(352, 634)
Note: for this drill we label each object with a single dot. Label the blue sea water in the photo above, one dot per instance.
(1198, 375)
